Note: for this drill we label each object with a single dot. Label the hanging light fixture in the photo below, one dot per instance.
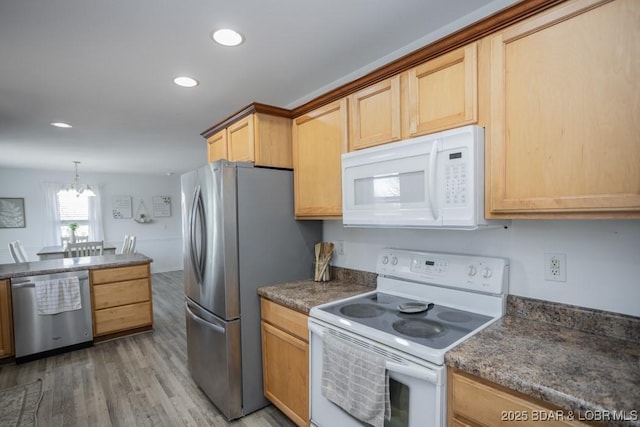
(75, 187)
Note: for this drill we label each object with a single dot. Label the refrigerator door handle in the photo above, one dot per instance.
(197, 212)
(203, 322)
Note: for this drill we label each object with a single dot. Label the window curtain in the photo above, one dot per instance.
(96, 228)
(52, 214)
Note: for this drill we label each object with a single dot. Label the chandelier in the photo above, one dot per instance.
(75, 187)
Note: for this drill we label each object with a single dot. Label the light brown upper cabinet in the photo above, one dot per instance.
(442, 93)
(217, 146)
(262, 139)
(374, 114)
(564, 137)
(319, 139)
(253, 135)
(241, 141)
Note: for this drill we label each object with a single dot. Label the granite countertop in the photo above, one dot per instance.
(23, 269)
(577, 370)
(304, 294)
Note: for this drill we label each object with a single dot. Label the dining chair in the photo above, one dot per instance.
(129, 244)
(84, 249)
(17, 252)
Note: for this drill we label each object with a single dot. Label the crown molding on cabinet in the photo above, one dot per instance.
(255, 107)
(471, 33)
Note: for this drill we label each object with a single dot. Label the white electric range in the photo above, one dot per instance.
(425, 304)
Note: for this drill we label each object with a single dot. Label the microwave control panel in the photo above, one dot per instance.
(456, 178)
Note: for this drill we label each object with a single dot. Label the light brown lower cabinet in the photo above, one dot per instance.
(285, 360)
(121, 299)
(6, 322)
(472, 401)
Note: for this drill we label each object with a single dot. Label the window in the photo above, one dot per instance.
(73, 209)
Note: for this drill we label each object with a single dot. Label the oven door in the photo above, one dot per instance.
(416, 391)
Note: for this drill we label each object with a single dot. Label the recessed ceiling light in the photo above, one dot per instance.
(227, 37)
(185, 81)
(61, 125)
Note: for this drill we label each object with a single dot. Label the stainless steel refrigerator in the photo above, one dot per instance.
(239, 234)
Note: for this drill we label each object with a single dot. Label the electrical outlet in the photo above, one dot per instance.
(339, 247)
(555, 267)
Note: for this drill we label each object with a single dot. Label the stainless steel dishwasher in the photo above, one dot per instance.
(40, 335)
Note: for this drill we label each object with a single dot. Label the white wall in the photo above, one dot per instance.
(603, 257)
(161, 239)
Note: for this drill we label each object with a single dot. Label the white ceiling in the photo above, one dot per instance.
(107, 67)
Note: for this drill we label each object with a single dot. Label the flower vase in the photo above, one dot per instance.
(72, 238)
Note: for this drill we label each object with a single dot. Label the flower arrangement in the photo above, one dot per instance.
(73, 227)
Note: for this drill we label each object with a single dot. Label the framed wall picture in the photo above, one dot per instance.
(12, 212)
(121, 207)
(161, 206)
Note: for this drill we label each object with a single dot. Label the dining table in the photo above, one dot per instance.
(56, 252)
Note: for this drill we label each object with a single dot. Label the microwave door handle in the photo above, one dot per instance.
(413, 371)
(433, 159)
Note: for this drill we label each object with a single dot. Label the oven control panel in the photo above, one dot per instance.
(469, 272)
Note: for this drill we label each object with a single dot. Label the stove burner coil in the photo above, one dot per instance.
(361, 310)
(419, 328)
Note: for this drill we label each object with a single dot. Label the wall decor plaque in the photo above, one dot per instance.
(121, 207)
(161, 206)
(12, 212)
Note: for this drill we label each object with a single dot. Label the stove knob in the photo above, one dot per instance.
(471, 270)
(385, 259)
(486, 272)
(394, 261)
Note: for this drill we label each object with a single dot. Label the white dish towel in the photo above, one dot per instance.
(58, 295)
(355, 380)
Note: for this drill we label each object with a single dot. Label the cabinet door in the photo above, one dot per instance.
(472, 401)
(6, 322)
(240, 140)
(272, 141)
(319, 139)
(374, 114)
(443, 93)
(565, 125)
(285, 367)
(217, 146)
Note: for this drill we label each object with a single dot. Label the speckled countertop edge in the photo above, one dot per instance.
(24, 269)
(572, 369)
(570, 316)
(302, 295)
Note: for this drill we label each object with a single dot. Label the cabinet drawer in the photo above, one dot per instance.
(285, 318)
(119, 274)
(124, 317)
(121, 293)
(487, 405)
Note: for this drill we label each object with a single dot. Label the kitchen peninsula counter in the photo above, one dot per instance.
(24, 269)
(301, 295)
(593, 375)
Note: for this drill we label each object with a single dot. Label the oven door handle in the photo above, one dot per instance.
(413, 371)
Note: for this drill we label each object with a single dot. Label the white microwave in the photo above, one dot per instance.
(431, 181)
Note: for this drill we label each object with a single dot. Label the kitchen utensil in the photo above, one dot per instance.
(414, 307)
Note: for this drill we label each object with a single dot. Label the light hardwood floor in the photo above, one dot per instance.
(139, 380)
